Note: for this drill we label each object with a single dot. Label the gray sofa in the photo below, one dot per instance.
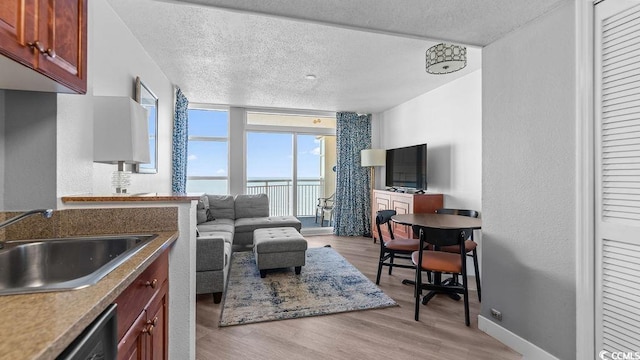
(226, 224)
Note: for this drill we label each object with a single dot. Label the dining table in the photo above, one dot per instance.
(437, 221)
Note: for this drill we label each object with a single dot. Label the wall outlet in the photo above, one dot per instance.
(496, 314)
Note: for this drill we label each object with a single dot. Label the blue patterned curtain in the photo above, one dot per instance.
(352, 206)
(180, 139)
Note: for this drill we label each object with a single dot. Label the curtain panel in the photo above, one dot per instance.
(180, 141)
(352, 206)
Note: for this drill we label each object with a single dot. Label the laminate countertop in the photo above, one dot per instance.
(144, 197)
(42, 325)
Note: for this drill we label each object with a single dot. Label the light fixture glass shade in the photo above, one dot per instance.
(446, 58)
(373, 157)
(120, 131)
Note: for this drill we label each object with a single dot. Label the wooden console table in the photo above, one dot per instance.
(402, 203)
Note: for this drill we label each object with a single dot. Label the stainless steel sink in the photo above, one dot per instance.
(63, 264)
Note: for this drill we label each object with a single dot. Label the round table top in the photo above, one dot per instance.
(438, 221)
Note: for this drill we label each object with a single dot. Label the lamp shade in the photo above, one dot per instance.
(445, 58)
(120, 131)
(373, 157)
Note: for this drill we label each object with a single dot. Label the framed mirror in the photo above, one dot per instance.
(149, 100)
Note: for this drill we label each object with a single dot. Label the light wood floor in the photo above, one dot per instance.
(382, 333)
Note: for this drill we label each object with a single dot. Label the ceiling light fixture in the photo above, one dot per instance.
(310, 77)
(446, 58)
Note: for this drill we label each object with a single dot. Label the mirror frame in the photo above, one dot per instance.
(145, 97)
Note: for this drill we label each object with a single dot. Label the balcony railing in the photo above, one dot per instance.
(279, 192)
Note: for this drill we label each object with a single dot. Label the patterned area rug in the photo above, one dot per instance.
(328, 284)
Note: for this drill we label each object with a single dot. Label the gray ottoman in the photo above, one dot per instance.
(276, 248)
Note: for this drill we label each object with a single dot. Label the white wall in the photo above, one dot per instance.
(449, 120)
(115, 59)
(528, 194)
(2, 153)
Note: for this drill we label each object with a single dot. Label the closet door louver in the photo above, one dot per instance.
(617, 98)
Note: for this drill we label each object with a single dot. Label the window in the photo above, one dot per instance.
(208, 151)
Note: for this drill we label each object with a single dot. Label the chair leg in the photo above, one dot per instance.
(379, 267)
(391, 263)
(477, 269)
(418, 292)
(322, 218)
(466, 302)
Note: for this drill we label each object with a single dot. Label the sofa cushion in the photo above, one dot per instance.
(217, 228)
(221, 206)
(251, 224)
(251, 206)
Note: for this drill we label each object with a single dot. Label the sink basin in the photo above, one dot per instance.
(29, 266)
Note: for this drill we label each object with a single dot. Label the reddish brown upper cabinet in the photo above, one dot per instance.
(403, 204)
(49, 36)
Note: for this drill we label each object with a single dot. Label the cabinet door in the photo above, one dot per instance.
(132, 345)
(157, 318)
(62, 33)
(402, 204)
(17, 28)
(381, 201)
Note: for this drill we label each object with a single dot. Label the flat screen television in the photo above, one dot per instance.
(407, 167)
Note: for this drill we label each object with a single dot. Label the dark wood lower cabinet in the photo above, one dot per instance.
(143, 313)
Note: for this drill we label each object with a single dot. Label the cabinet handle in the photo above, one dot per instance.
(38, 46)
(153, 322)
(152, 284)
(148, 330)
(50, 53)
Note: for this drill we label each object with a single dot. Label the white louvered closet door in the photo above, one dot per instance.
(617, 114)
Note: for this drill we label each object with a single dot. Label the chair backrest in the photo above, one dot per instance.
(330, 201)
(326, 201)
(384, 217)
(461, 212)
(442, 237)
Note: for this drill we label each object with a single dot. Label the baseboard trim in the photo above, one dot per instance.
(528, 350)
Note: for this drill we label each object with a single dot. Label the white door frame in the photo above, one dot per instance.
(585, 179)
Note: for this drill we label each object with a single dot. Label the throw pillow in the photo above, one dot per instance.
(202, 210)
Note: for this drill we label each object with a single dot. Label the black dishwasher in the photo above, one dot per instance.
(99, 341)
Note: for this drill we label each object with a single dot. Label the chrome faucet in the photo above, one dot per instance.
(46, 213)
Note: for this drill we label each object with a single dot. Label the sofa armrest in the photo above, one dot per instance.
(210, 253)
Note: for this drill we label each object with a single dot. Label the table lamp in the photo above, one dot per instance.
(120, 136)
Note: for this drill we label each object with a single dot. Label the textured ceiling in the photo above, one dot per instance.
(368, 55)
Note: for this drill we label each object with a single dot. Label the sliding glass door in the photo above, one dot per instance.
(293, 165)
(270, 170)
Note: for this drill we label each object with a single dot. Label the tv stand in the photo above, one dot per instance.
(402, 203)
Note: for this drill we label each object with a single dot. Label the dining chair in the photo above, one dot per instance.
(393, 248)
(440, 262)
(470, 246)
